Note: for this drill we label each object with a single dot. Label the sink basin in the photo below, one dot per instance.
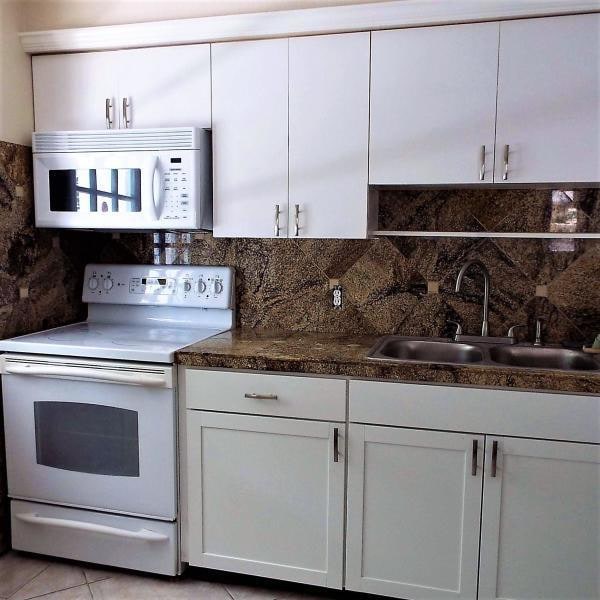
(543, 358)
(398, 348)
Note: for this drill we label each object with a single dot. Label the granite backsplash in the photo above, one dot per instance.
(403, 285)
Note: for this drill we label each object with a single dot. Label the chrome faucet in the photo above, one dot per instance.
(486, 290)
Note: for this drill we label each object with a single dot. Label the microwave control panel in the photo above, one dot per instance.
(177, 189)
(170, 285)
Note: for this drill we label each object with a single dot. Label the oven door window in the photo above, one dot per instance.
(88, 438)
(95, 190)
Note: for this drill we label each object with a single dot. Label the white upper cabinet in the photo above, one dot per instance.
(150, 87)
(165, 87)
(414, 501)
(549, 100)
(250, 138)
(433, 104)
(328, 136)
(541, 520)
(75, 91)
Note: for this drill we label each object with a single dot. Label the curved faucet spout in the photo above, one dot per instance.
(486, 290)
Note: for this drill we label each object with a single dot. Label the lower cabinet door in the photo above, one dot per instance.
(540, 533)
(266, 496)
(414, 502)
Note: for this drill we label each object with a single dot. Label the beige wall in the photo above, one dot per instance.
(16, 106)
(56, 14)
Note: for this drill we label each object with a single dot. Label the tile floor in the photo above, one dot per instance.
(25, 576)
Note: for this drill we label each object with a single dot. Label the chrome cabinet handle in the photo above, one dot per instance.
(261, 396)
(126, 117)
(474, 458)
(336, 444)
(296, 220)
(506, 153)
(108, 106)
(482, 164)
(277, 227)
(494, 459)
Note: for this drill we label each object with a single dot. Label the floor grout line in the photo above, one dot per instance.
(28, 581)
(70, 587)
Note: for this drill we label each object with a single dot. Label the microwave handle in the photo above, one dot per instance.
(157, 196)
(145, 535)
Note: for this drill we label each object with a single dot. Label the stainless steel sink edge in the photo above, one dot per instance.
(484, 347)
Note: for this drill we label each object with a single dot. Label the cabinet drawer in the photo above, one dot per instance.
(500, 412)
(258, 394)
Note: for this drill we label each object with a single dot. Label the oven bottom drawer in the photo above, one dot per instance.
(94, 537)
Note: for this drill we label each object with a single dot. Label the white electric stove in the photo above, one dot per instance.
(90, 416)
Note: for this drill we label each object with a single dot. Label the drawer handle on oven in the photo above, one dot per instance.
(261, 396)
(146, 379)
(145, 535)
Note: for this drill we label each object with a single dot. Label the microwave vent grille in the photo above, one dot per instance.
(117, 140)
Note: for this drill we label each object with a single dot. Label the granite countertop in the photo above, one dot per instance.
(343, 355)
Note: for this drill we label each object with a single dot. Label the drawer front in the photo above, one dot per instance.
(95, 537)
(499, 412)
(259, 394)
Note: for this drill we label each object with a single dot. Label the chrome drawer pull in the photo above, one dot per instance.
(277, 227)
(261, 396)
(506, 155)
(108, 106)
(126, 117)
(474, 459)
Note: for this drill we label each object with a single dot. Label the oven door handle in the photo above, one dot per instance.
(144, 379)
(144, 535)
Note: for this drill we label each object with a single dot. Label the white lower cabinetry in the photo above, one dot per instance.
(266, 494)
(414, 499)
(540, 533)
(482, 510)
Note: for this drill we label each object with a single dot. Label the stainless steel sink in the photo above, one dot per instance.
(543, 358)
(488, 352)
(436, 351)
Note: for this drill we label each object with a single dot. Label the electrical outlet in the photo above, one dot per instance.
(336, 296)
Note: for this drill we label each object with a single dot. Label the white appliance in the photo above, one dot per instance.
(91, 443)
(120, 179)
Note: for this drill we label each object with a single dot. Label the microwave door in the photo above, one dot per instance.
(96, 190)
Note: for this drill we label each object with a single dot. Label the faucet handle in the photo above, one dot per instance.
(511, 333)
(458, 329)
(538, 330)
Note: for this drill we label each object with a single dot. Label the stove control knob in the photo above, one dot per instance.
(187, 286)
(93, 283)
(217, 286)
(107, 284)
(201, 286)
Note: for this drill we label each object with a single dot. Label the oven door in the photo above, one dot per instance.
(91, 434)
(97, 190)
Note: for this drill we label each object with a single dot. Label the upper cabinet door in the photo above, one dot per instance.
(549, 100)
(75, 91)
(433, 104)
(165, 87)
(329, 135)
(250, 138)
(541, 520)
(414, 500)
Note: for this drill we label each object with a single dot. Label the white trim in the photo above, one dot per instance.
(358, 17)
(485, 234)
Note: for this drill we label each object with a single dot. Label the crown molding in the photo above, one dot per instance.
(289, 23)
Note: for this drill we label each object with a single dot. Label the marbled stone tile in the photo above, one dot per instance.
(333, 257)
(576, 292)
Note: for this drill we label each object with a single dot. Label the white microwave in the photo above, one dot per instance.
(142, 179)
